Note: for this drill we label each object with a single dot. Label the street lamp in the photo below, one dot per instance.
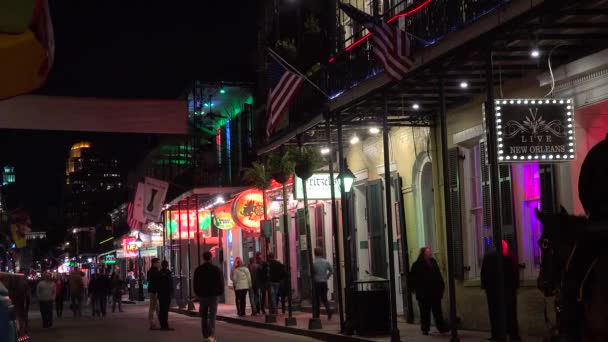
(348, 178)
(140, 292)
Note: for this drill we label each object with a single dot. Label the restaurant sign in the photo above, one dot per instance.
(534, 130)
(248, 209)
(318, 187)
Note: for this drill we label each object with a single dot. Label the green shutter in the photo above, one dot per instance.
(486, 196)
(455, 212)
(377, 235)
(547, 188)
(509, 232)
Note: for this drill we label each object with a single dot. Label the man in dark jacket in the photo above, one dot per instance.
(208, 286)
(164, 290)
(153, 275)
(262, 280)
(511, 283)
(102, 290)
(276, 274)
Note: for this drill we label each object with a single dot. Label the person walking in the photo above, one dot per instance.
(254, 292)
(427, 282)
(76, 292)
(60, 291)
(263, 283)
(510, 286)
(241, 281)
(91, 293)
(276, 275)
(164, 292)
(117, 291)
(152, 276)
(102, 289)
(208, 286)
(322, 271)
(45, 291)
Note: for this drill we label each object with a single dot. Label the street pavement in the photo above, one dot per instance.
(132, 325)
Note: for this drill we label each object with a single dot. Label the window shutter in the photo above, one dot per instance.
(487, 201)
(509, 232)
(455, 211)
(377, 238)
(547, 188)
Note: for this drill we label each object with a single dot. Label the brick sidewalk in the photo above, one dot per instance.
(331, 329)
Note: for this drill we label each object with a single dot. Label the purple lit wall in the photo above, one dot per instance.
(531, 200)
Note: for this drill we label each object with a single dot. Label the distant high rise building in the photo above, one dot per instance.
(8, 175)
(93, 185)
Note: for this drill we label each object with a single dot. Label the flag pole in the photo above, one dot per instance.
(283, 62)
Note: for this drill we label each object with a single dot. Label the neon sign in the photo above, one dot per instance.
(187, 220)
(129, 247)
(248, 209)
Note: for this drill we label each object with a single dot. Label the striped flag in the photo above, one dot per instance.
(132, 222)
(391, 45)
(284, 85)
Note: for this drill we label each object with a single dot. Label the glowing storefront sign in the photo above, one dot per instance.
(248, 209)
(129, 247)
(223, 220)
(188, 220)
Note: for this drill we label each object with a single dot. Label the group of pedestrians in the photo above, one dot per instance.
(55, 290)
(160, 290)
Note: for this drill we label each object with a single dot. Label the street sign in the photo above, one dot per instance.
(533, 130)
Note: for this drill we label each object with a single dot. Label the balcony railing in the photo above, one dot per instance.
(429, 21)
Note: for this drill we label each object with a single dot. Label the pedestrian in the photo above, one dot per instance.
(276, 276)
(254, 291)
(85, 282)
(91, 293)
(263, 283)
(241, 281)
(322, 271)
(45, 291)
(102, 289)
(164, 291)
(427, 282)
(152, 276)
(76, 292)
(117, 291)
(60, 291)
(208, 286)
(510, 286)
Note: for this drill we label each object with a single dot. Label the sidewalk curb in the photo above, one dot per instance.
(316, 334)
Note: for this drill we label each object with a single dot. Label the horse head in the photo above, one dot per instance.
(559, 234)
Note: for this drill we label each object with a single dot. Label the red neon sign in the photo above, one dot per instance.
(129, 247)
(395, 17)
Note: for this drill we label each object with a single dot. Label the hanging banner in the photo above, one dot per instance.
(318, 187)
(138, 203)
(532, 130)
(155, 191)
(248, 209)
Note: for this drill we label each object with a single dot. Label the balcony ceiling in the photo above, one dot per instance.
(569, 33)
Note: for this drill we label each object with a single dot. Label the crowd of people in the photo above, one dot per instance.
(77, 289)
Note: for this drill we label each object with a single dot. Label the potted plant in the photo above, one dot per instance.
(281, 165)
(308, 160)
(258, 176)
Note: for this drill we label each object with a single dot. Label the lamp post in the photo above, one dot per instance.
(346, 178)
(140, 293)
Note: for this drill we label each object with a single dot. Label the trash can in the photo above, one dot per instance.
(371, 307)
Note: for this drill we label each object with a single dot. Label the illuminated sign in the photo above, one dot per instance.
(187, 221)
(318, 187)
(129, 247)
(109, 260)
(223, 220)
(534, 130)
(248, 209)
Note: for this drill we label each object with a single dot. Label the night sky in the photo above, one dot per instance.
(126, 49)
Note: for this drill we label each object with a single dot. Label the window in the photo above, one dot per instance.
(473, 229)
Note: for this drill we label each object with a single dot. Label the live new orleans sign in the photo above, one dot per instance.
(535, 130)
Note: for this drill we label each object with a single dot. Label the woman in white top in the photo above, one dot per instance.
(241, 281)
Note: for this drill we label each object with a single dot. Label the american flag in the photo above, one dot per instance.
(284, 85)
(391, 45)
(132, 222)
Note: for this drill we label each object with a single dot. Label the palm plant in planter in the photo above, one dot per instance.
(281, 166)
(258, 176)
(308, 160)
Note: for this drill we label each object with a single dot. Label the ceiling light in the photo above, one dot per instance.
(535, 53)
(464, 85)
(354, 140)
(325, 150)
(222, 91)
(374, 130)
(415, 106)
